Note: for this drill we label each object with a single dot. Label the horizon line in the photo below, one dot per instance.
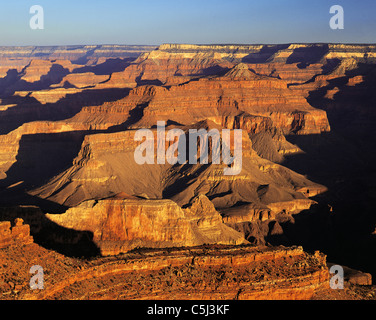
(195, 44)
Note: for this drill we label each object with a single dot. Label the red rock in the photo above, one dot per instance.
(120, 225)
(19, 234)
(239, 90)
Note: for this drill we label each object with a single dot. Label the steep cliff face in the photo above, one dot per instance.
(82, 80)
(36, 70)
(10, 143)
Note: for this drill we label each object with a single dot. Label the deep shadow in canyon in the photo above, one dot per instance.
(28, 109)
(342, 224)
(41, 157)
(45, 232)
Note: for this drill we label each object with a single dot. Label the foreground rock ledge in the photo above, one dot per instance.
(205, 272)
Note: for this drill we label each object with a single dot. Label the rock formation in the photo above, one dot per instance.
(120, 225)
(17, 234)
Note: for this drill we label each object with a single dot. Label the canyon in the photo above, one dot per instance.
(68, 120)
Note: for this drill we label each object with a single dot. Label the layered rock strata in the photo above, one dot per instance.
(122, 225)
(204, 273)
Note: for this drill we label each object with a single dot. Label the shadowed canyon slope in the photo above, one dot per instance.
(69, 115)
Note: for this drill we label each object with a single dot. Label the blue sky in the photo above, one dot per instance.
(193, 21)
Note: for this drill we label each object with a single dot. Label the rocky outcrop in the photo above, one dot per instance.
(49, 95)
(82, 80)
(355, 276)
(18, 234)
(36, 70)
(120, 225)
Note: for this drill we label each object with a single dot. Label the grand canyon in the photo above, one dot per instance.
(74, 201)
